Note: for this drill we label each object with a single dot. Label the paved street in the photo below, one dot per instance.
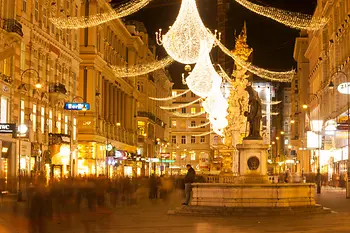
(151, 217)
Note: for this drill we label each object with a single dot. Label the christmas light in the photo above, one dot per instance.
(199, 126)
(141, 69)
(187, 115)
(180, 105)
(94, 20)
(183, 40)
(271, 103)
(286, 76)
(291, 19)
(202, 134)
(170, 97)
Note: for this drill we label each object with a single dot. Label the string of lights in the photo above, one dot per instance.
(170, 97)
(285, 76)
(141, 69)
(187, 115)
(180, 105)
(291, 19)
(202, 134)
(271, 103)
(183, 40)
(199, 126)
(94, 20)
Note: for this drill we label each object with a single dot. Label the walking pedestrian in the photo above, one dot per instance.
(189, 179)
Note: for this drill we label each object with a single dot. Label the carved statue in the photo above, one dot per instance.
(254, 115)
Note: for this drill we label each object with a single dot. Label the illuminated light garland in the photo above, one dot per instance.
(170, 97)
(291, 19)
(202, 134)
(183, 40)
(271, 103)
(216, 105)
(286, 76)
(94, 20)
(223, 74)
(187, 115)
(199, 126)
(141, 69)
(180, 105)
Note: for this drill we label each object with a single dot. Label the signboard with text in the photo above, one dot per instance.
(76, 106)
(344, 88)
(7, 128)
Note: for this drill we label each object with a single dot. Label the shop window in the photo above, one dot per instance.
(173, 124)
(34, 117)
(42, 120)
(193, 139)
(22, 112)
(202, 139)
(183, 110)
(65, 124)
(50, 121)
(183, 139)
(173, 139)
(193, 123)
(141, 128)
(193, 156)
(74, 128)
(4, 110)
(193, 110)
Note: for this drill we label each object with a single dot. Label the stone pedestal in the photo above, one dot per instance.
(253, 161)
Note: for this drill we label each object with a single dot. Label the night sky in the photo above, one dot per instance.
(272, 42)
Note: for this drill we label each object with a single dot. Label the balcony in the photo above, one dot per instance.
(12, 25)
(6, 78)
(57, 91)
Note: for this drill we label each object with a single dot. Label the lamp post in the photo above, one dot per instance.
(22, 128)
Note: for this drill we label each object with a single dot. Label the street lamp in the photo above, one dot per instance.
(22, 129)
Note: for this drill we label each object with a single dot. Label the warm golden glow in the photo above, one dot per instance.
(305, 106)
(282, 132)
(292, 121)
(38, 85)
(277, 138)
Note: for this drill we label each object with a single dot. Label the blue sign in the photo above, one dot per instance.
(77, 106)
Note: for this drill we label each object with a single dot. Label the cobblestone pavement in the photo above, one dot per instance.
(151, 217)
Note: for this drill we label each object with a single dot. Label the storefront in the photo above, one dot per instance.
(91, 159)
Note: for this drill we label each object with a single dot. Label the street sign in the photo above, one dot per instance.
(76, 106)
(7, 128)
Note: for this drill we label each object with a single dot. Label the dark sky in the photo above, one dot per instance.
(272, 42)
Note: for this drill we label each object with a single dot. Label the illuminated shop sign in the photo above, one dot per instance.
(7, 128)
(77, 106)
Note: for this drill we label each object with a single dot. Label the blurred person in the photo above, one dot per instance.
(153, 187)
(39, 210)
(188, 180)
(166, 185)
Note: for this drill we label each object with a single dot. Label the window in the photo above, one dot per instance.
(173, 124)
(183, 139)
(141, 128)
(193, 123)
(22, 112)
(4, 112)
(184, 95)
(44, 17)
(58, 123)
(193, 110)
(202, 122)
(24, 5)
(202, 138)
(193, 139)
(50, 121)
(202, 110)
(76, 10)
(173, 93)
(193, 156)
(67, 35)
(74, 128)
(53, 28)
(173, 139)
(42, 120)
(65, 124)
(183, 110)
(192, 94)
(34, 117)
(36, 11)
(68, 6)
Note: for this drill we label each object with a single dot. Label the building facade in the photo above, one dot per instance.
(328, 54)
(187, 144)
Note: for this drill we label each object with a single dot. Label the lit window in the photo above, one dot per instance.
(50, 121)
(58, 123)
(74, 128)
(202, 138)
(22, 112)
(193, 123)
(183, 139)
(65, 124)
(173, 124)
(42, 120)
(141, 128)
(193, 110)
(202, 110)
(173, 139)
(183, 110)
(193, 156)
(4, 112)
(193, 139)
(173, 93)
(34, 117)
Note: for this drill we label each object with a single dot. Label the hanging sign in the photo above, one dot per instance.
(77, 106)
(344, 88)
